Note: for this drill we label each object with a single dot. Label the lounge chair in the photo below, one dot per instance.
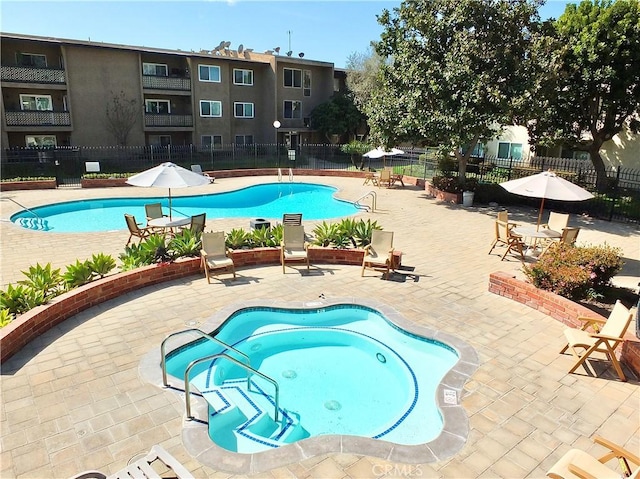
(294, 247)
(214, 255)
(378, 255)
(605, 338)
(292, 219)
(142, 468)
(505, 236)
(197, 223)
(135, 229)
(198, 169)
(577, 463)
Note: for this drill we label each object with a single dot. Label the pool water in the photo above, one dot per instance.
(269, 201)
(340, 369)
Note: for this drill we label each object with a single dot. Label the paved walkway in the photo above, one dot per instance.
(72, 400)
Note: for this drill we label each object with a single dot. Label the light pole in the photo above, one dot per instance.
(276, 125)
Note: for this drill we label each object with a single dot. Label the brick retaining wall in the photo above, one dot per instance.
(561, 309)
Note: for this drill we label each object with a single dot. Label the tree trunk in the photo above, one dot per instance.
(602, 181)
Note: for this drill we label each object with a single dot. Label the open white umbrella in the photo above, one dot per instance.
(546, 185)
(168, 175)
(382, 153)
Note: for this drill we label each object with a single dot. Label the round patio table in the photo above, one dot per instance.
(535, 234)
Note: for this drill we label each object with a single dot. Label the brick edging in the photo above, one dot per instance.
(561, 309)
(36, 321)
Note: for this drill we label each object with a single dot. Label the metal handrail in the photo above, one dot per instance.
(22, 206)
(163, 357)
(374, 197)
(279, 175)
(290, 175)
(249, 369)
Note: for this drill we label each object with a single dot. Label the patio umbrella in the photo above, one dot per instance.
(546, 185)
(168, 175)
(381, 152)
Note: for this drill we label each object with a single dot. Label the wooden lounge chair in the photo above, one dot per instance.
(505, 236)
(135, 229)
(370, 177)
(142, 468)
(556, 222)
(292, 219)
(294, 247)
(605, 338)
(214, 255)
(198, 169)
(385, 178)
(577, 463)
(569, 236)
(378, 255)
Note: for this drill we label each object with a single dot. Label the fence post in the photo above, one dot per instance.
(510, 167)
(542, 164)
(615, 193)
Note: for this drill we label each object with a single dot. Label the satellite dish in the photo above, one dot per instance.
(289, 53)
(215, 49)
(221, 46)
(240, 48)
(301, 54)
(227, 44)
(277, 50)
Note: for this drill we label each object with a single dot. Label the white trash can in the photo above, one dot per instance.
(467, 198)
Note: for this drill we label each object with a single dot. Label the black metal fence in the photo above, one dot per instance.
(620, 202)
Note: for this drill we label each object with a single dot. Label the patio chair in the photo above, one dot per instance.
(198, 169)
(292, 219)
(197, 223)
(370, 177)
(294, 246)
(556, 222)
(506, 237)
(378, 255)
(142, 468)
(385, 178)
(153, 211)
(214, 255)
(605, 338)
(577, 463)
(569, 236)
(135, 229)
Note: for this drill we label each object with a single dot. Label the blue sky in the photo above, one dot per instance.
(324, 30)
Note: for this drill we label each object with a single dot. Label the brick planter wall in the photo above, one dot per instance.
(28, 185)
(561, 309)
(33, 323)
(455, 198)
(103, 182)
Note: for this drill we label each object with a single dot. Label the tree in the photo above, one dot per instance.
(593, 89)
(338, 116)
(356, 149)
(456, 71)
(122, 114)
(362, 77)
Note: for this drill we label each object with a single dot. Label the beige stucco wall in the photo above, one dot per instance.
(623, 150)
(511, 134)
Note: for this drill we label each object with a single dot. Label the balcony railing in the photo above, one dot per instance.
(157, 119)
(32, 75)
(38, 118)
(166, 83)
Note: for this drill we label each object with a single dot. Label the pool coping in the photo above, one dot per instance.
(449, 396)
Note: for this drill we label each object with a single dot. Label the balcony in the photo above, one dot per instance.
(164, 120)
(153, 82)
(38, 118)
(51, 76)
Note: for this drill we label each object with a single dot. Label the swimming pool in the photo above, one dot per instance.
(270, 201)
(343, 369)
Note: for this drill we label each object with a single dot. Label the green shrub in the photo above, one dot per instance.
(575, 272)
(101, 264)
(77, 274)
(237, 238)
(185, 244)
(5, 317)
(20, 299)
(44, 279)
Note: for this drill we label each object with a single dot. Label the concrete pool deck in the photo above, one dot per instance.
(72, 400)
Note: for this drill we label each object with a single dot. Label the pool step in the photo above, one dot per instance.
(242, 420)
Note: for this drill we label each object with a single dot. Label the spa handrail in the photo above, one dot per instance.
(250, 371)
(373, 196)
(163, 358)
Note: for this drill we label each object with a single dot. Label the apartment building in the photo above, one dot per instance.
(61, 92)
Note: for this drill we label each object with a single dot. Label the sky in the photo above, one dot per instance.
(330, 30)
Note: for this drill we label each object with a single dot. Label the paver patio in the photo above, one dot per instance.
(72, 400)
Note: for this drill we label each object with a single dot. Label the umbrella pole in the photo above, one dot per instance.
(170, 204)
(540, 214)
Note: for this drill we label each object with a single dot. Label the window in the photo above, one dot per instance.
(211, 141)
(162, 107)
(243, 110)
(510, 150)
(292, 78)
(31, 60)
(155, 69)
(159, 140)
(306, 83)
(36, 102)
(576, 154)
(209, 73)
(40, 141)
(292, 109)
(210, 108)
(244, 140)
(243, 77)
